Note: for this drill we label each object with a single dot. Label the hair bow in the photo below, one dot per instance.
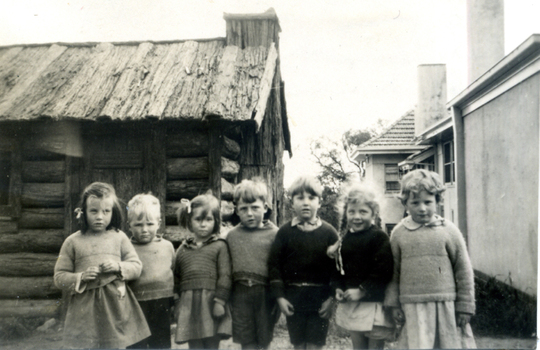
(187, 203)
(79, 212)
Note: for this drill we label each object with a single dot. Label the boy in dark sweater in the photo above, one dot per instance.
(154, 288)
(254, 311)
(299, 269)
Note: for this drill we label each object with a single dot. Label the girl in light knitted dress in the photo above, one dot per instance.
(432, 289)
(364, 261)
(93, 267)
(202, 276)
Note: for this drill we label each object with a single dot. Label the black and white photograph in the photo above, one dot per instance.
(269, 174)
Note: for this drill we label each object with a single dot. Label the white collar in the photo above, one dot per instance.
(412, 225)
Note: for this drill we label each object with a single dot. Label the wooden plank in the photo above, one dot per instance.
(43, 171)
(214, 159)
(195, 144)
(43, 194)
(42, 218)
(48, 308)
(28, 288)
(8, 226)
(187, 168)
(32, 240)
(155, 172)
(27, 264)
(44, 147)
(226, 187)
(266, 84)
(186, 188)
(175, 234)
(229, 169)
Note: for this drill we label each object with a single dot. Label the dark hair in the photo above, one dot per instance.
(208, 202)
(305, 184)
(101, 190)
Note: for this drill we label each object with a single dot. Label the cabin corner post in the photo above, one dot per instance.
(459, 150)
(215, 143)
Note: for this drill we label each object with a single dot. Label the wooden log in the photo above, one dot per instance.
(28, 288)
(48, 308)
(186, 188)
(174, 234)
(43, 171)
(42, 218)
(227, 187)
(7, 226)
(195, 144)
(187, 168)
(27, 264)
(229, 169)
(171, 208)
(34, 241)
(44, 147)
(215, 143)
(43, 194)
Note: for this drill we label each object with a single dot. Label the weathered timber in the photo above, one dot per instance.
(13, 208)
(229, 169)
(175, 234)
(171, 209)
(43, 194)
(28, 288)
(226, 187)
(214, 159)
(27, 264)
(30, 308)
(253, 29)
(8, 226)
(155, 174)
(43, 171)
(187, 168)
(42, 218)
(34, 241)
(195, 144)
(44, 147)
(186, 188)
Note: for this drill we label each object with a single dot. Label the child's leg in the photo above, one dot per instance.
(211, 343)
(250, 346)
(313, 346)
(359, 340)
(196, 344)
(375, 343)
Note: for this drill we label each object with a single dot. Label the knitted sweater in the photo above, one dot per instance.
(300, 256)
(204, 267)
(431, 263)
(250, 249)
(367, 262)
(157, 280)
(81, 251)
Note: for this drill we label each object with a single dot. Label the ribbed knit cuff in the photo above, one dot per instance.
(465, 307)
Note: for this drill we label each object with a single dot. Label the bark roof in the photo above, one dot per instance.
(178, 80)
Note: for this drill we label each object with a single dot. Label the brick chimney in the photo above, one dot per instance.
(485, 35)
(431, 103)
(258, 29)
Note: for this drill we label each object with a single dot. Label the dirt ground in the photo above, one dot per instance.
(52, 339)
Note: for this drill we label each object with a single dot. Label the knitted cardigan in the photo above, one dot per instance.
(300, 256)
(157, 279)
(205, 267)
(250, 249)
(431, 263)
(81, 251)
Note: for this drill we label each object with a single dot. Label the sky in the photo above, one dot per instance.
(345, 64)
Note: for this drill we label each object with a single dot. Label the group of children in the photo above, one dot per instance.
(121, 290)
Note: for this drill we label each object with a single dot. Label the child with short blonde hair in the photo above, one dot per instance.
(154, 288)
(299, 269)
(203, 276)
(364, 261)
(432, 288)
(254, 311)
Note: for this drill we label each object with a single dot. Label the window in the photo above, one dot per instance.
(391, 177)
(449, 167)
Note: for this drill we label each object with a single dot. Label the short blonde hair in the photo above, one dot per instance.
(306, 184)
(250, 190)
(353, 194)
(143, 205)
(420, 180)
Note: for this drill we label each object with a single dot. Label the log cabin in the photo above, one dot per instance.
(174, 118)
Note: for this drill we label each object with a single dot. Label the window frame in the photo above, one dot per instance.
(449, 162)
(387, 180)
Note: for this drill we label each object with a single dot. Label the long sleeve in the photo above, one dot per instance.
(392, 291)
(65, 276)
(274, 266)
(130, 266)
(382, 265)
(224, 278)
(463, 273)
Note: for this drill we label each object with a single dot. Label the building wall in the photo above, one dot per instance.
(391, 208)
(501, 171)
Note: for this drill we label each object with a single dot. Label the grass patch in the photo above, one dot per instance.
(13, 328)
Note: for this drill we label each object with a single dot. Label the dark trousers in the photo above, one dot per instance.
(157, 313)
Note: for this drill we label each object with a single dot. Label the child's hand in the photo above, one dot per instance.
(339, 294)
(354, 294)
(462, 319)
(110, 267)
(326, 308)
(285, 307)
(90, 274)
(398, 316)
(219, 310)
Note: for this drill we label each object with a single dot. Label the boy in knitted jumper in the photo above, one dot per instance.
(254, 311)
(299, 269)
(432, 288)
(154, 288)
